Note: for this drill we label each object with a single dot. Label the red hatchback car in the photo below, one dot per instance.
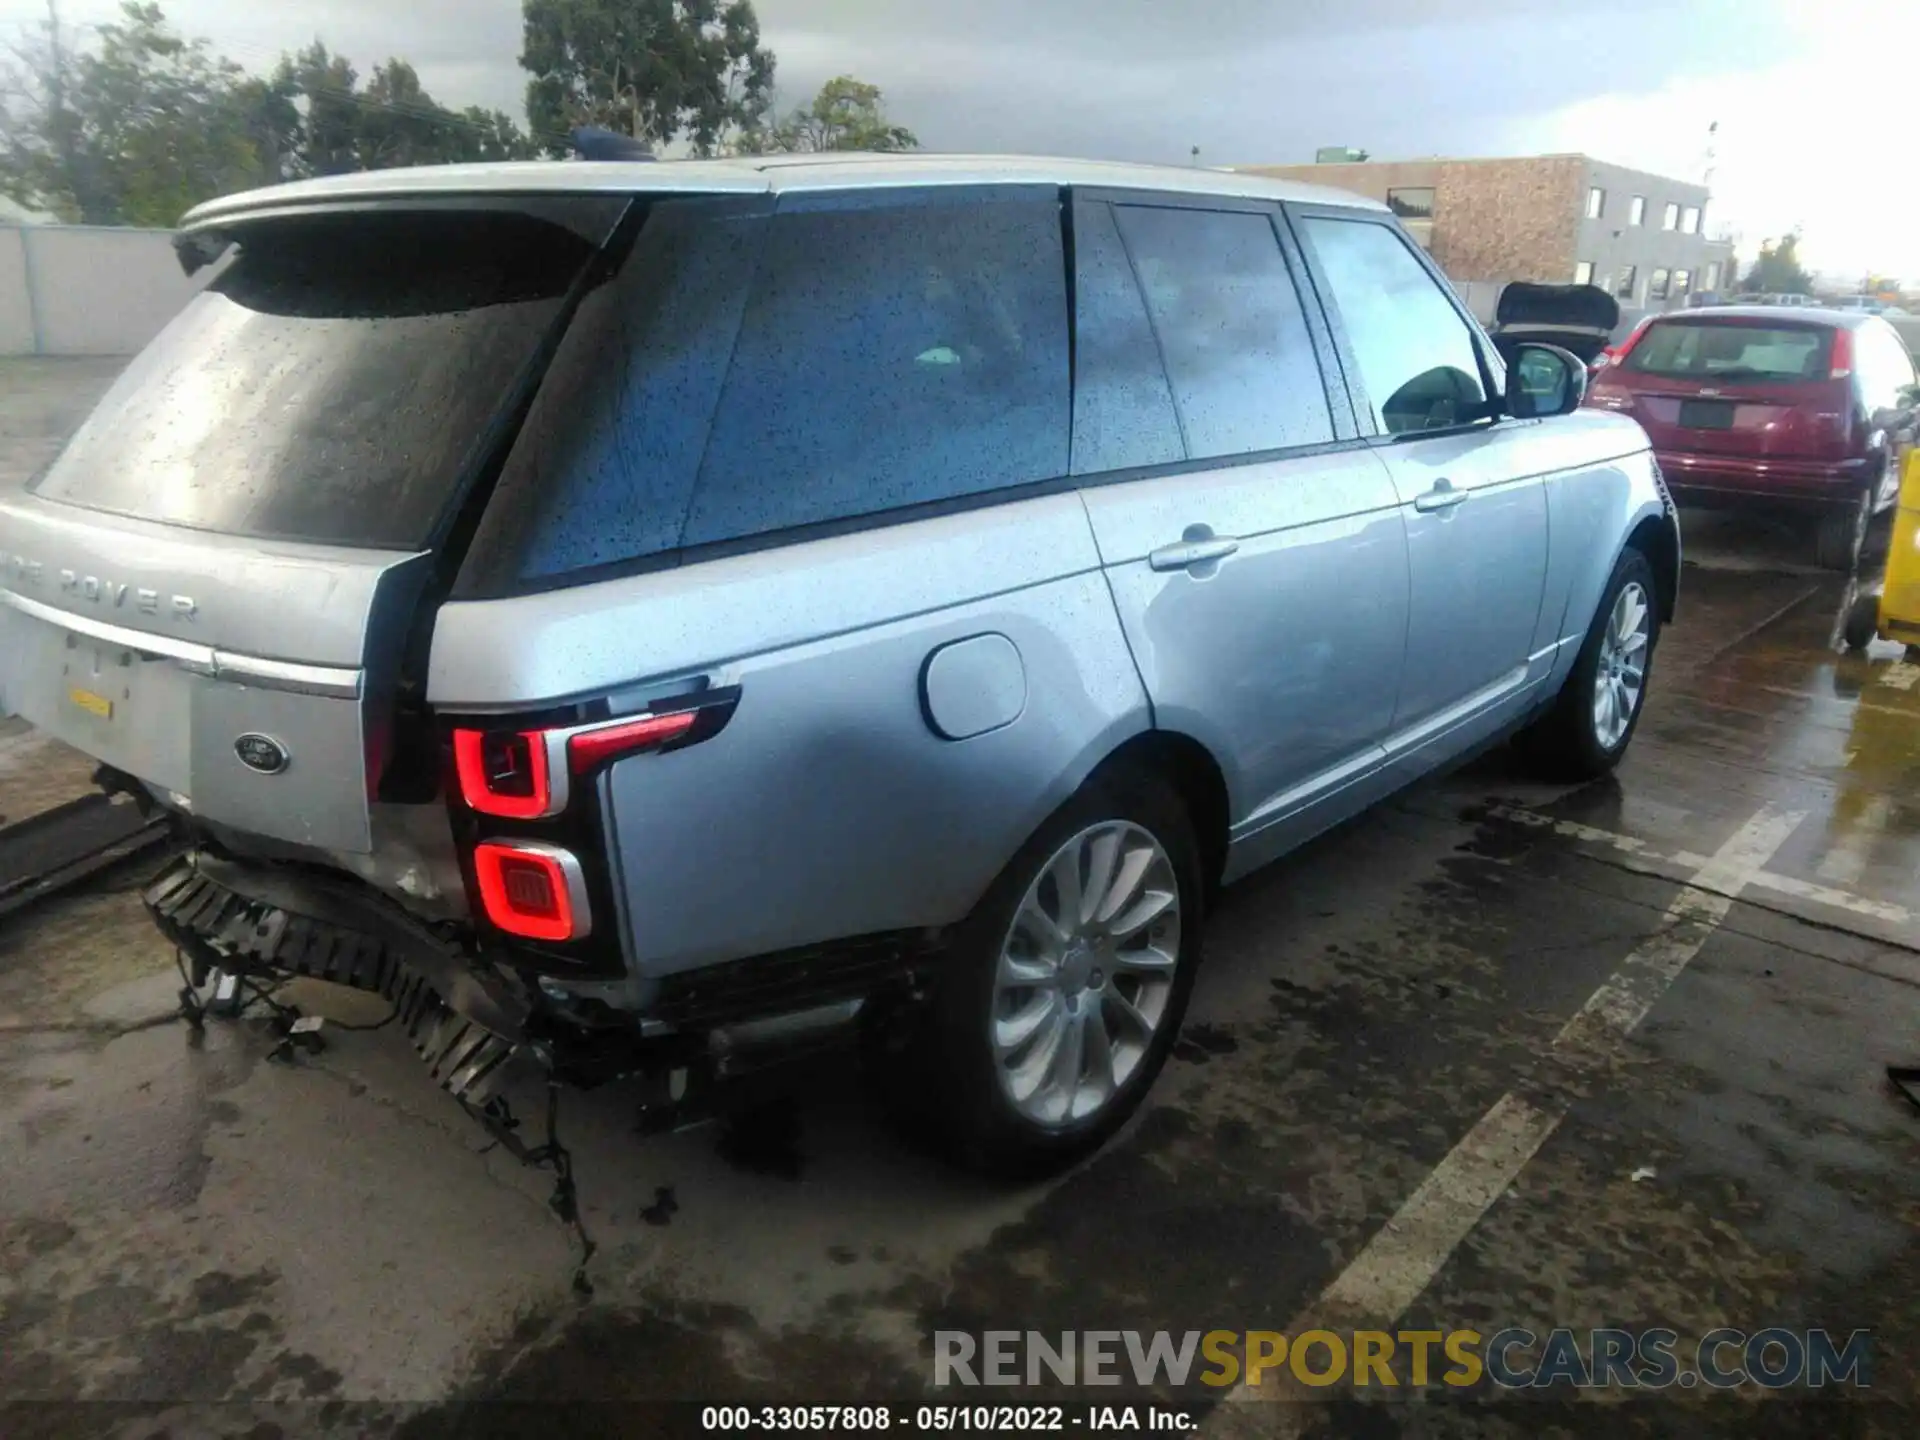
(1771, 409)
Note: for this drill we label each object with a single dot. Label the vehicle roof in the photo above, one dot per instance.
(776, 174)
(1798, 314)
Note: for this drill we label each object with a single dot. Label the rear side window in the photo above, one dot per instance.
(337, 380)
(1417, 358)
(1725, 351)
(1230, 327)
(897, 350)
(603, 469)
(1883, 365)
(1122, 407)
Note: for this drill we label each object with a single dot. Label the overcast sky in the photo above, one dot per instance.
(1812, 130)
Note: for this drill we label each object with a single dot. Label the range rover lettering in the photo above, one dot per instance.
(655, 618)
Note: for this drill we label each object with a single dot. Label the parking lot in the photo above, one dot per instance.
(1494, 1055)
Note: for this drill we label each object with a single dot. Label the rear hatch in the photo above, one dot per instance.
(1758, 388)
(1579, 318)
(215, 586)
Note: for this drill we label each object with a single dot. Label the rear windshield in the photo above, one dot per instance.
(336, 381)
(1719, 350)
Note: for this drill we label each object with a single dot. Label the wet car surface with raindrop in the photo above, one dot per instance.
(198, 1237)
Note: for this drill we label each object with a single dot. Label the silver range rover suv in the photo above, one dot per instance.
(655, 619)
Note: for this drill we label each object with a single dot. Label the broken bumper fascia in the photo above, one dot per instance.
(466, 1026)
(722, 1037)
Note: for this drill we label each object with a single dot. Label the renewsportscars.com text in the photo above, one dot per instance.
(1515, 1358)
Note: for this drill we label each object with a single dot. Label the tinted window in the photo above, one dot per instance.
(335, 381)
(1724, 350)
(895, 351)
(1229, 323)
(1417, 359)
(1122, 407)
(604, 466)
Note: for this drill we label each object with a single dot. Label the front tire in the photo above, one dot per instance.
(1068, 983)
(1593, 719)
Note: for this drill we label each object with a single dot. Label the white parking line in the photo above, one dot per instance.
(1846, 859)
(1401, 1260)
(1900, 675)
(1828, 895)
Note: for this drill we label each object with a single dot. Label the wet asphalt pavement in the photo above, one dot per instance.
(195, 1239)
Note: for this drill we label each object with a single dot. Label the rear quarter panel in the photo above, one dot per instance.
(830, 806)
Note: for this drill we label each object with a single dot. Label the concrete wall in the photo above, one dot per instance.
(87, 290)
(1612, 243)
(16, 309)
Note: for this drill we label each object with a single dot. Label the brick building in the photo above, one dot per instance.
(1554, 218)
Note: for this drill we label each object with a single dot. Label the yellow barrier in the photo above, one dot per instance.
(1900, 594)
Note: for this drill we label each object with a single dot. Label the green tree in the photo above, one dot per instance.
(655, 69)
(1777, 269)
(138, 125)
(131, 131)
(847, 114)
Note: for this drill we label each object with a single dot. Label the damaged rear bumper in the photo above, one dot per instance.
(709, 1039)
(466, 1027)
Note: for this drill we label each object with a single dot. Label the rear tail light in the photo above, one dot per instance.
(1617, 355)
(505, 773)
(587, 749)
(524, 774)
(1842, 355)
(535, 891)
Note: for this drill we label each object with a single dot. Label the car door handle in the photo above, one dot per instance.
(1441, 497)
(1189, 553)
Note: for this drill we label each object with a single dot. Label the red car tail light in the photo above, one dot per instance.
(1617, 355)
(534, 891)
(1842, 355)
(505, 773)
(587, 749)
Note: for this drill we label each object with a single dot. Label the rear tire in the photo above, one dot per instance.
(1045, 1035)
(1837, 542)
(1592, 721)
(1863, 621)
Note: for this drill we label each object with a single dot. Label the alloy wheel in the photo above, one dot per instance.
(1086, 973)
(1620, 676)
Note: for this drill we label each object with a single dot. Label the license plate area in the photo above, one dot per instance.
(1706, 414)
(100, 680)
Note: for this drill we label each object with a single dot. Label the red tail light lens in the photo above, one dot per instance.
(590, 748)
(1842, 355)
(534, 891)
(504, 772)
(1618, 354)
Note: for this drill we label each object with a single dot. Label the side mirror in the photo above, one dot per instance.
(1544, 380)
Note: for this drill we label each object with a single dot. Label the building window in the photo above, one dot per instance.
(1671, 218)
(1624, 288)
(1583, 273)
(1690, 220)
(1713, 276)
(1411, 202)
(1658, 284)
(1596, 203)
(1637, 211)
(1682, 283)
